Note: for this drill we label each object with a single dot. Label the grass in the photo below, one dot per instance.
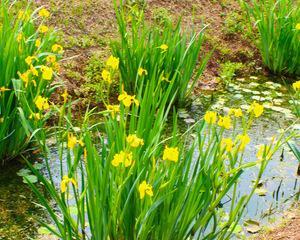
(157, 185)
(165, 52)
(278, 33)
(25, 74)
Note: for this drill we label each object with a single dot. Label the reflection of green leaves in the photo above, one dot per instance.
(38, 166)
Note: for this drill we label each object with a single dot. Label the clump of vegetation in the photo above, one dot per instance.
(228, 70)
(233, 23)
(161, 16)
(172, 183)
(278, 26)
(296, 97)
(150, 54)
(28, 56)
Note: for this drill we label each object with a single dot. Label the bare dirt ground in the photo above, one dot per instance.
(289, 229)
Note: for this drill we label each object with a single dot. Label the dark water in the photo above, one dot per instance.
(282, 185)
(17, 208)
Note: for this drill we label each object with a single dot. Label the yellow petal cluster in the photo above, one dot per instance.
(237, 112)
(51, 58)
(145, 189)
(142, 71)
(171, 154)
(65, 182)
(36, 116)
(264, 152)
(24, 77)
(244, 140)
(43, 29)
(122, 158)
(296, 86)
(225, 122)
(30, 59)
(134, 141)
(44, 13)
(72, 141)
(41, 103)
(298, 26)
(47, 72)
(257, 109)
(56, 48)
(38, 42)
(4, 89)
(65, 95)
(114, 109)
(113, 62)
(127, 100)
(106, 76)
(164, 47)
(227, 143)
(210, 117)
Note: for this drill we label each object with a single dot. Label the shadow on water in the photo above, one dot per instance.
(17, 208)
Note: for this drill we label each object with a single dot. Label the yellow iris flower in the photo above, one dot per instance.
(145, 189)
(171, 154)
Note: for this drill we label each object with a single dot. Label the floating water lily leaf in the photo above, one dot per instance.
(189, 120)
(23, 172)
(258, 98)
(256, 92)
(261, 191)
(253, 77)
(254, 84)
(30, 178)
(279, 94)
(246, 90)
(244, 107)
(38, 166)
(266, 93)
(252, 226)
(278, 101)
(238, 96)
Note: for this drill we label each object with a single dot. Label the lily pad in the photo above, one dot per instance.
(30, 178)
(261, 191)
(23, 172)
(252, 226)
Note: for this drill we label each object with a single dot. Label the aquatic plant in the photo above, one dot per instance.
(135, 181)
(28, 61)
(296, 97)
(165, 54)
(278, 26)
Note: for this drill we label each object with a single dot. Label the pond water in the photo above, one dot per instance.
(280, 183)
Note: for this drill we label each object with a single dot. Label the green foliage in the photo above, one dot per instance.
(233, 23)
(167, 53)
(228, 70)
(94, 81)
(20, 118)
(100, 192)
(161, 16)
(295, 97)
(278, 34)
